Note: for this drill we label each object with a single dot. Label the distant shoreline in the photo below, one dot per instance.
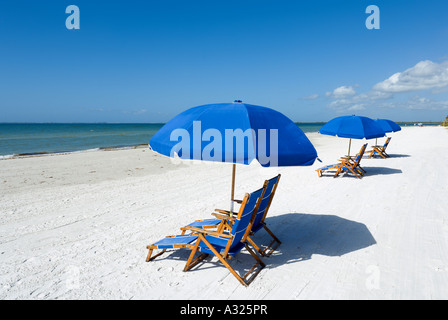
(41, 154)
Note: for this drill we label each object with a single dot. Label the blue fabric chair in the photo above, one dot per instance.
(225, 218)
(226, 244)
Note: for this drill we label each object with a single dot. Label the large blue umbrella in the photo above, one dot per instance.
(235, 133)
(352, 127)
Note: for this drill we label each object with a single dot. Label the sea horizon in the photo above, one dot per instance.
(38, 138)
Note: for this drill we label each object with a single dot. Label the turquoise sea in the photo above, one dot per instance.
(41, 138)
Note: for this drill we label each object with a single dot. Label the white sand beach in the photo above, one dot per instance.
(76, 226)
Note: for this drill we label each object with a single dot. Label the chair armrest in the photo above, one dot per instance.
(223, 216)
(206, 231)
(237, 201)
(229, 213)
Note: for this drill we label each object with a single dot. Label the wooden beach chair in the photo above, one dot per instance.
(380, 150)
(353, 165)
(228, 243)
(347, 165)
(224, 219)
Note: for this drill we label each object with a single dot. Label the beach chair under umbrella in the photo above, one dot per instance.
(352, 127)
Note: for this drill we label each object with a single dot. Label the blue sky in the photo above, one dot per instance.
(146, 61)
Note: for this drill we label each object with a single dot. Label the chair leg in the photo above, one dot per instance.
(242, 280)
(190, 262)
(149, 258)
(259, 263)
(253, 244)
(271, 247)
(337, 172)
(354, 172)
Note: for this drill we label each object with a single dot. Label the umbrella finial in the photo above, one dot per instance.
(238, 101)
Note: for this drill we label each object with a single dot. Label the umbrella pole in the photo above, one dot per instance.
(349, 145)
(232, 193)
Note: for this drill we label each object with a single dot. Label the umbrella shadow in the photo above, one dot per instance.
(304, 235)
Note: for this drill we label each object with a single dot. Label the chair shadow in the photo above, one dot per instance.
(372, 171)
(304, 235)
(390, 156)
(399, 155)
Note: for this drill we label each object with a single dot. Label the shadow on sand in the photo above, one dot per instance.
(373, 171)
(304, 235)
(370, 171)
(390, 156)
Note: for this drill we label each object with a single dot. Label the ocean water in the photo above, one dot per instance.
(41, 138)
(36, 138)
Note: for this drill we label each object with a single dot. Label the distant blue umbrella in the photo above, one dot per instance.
(388, 125)
(352, 127)
(212, 132)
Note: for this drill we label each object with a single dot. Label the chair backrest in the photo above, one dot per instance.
(270, 187)
(386, 143)
(244, 219)
(360, 154)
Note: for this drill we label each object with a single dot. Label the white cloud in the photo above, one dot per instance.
(344, 90)
(390, 93)
(341, 92)
(424, 75)
(357, 102)
(357, 107)
(422, 103)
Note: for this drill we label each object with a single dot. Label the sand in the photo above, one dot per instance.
(76, 226)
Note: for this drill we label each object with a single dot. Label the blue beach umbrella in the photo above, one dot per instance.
(388, 125)
(352, 127)
(235, 133)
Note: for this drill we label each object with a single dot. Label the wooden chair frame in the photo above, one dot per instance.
(225, 256)
(228, 217)
(347, 164)
(381, 150)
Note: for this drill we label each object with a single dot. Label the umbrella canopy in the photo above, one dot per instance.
(236, 133)
(353, 127)
(388, 125)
